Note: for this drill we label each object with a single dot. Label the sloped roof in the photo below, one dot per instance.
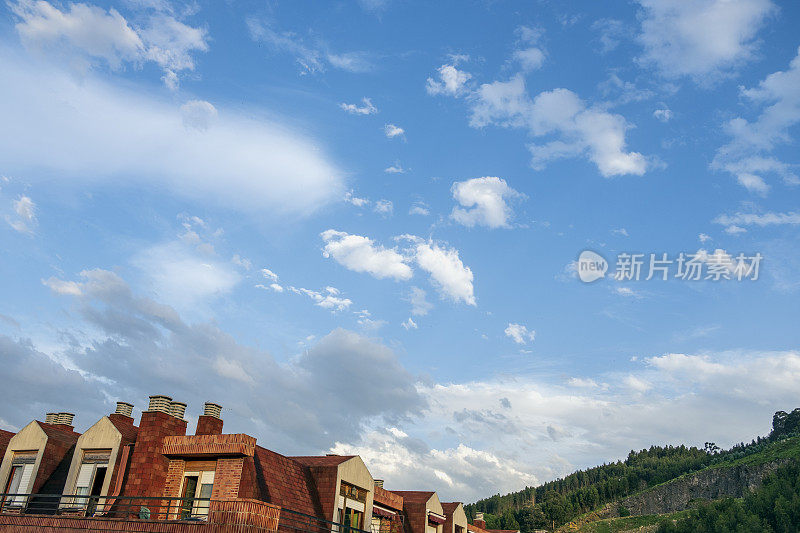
(5, 438)
(415, 496)
(59, 433)
(286, 482)
(388, 498)
(128, 431)
(322, 460)
(450, 507)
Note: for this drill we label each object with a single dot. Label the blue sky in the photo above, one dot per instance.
(355, 224)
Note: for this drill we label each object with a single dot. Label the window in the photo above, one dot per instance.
(350, 518)
(91, 477)
(19, 477)
(196, 493)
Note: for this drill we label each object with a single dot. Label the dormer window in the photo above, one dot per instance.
(20, 477)
(91, 477)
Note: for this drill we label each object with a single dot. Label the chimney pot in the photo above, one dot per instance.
(160, 403)
(379, 483)
(65, 419)
(177, 409)
(212, 409)
(51, 418)
(478, 516)
(124, 409)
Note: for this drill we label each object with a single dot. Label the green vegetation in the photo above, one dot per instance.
(618, 525)
(560, 501)
(773, 508)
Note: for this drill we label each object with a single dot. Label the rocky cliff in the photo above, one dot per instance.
(709, 484)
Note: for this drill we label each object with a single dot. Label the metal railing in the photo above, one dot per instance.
(296, 522)
(130, 507)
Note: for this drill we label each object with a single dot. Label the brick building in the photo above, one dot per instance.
(387, 510)
(36, 460)
(155, 477)
(455, 517)
(423, 511)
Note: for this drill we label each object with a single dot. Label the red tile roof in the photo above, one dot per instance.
(449, 507)
(322, 460)
(414, 496)
(59, 432)
(286, 482)
(127, 430)
(388, 498)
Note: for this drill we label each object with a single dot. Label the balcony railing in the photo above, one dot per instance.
(188, 510)
(129, 507)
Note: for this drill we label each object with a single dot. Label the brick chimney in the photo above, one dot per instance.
(148, 467)
(479, 521)
(123, 413)
(210, 423)
(64, 420)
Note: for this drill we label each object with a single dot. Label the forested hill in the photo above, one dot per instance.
(557, 502)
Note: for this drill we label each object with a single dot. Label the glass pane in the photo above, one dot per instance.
(189, 491)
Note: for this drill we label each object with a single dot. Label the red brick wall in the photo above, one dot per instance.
(53, 469)
(227, 478)
(327, 490)
(416, 517)
(148, 468)
(234, 516)
(248, 488)
(208, 425)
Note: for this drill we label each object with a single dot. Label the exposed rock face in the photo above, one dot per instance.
(709, 484)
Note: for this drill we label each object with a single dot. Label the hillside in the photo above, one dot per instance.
(660, 479)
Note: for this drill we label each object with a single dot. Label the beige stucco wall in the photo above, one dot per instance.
(29, 438)
(435, 505)
(355, 472)
(103, 435)
(459, 518)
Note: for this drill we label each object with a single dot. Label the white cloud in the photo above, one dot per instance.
(86, 33)
(360, 254)
(592, 131)
(485, 200)
(409, 324)
(446, 270)
(704, 238)
(62, 287)
(420, 306)
(519, 333)
(311, 59)
(419, 208)
(327, 299)
(397, 168)
(529, 58)
(243, 262)
(393, 131)
(735, 230)
(451, 81)
(182, 278)
(620, 231)
(636, 384)
(611, 31)
(701, 38)
(748, 155)
(130, 137)
(759, 219)
(24, 219)
(664, 115)
(367, 107)
(355, 200)
(384, 207)
(198, 114)
(269, 274)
